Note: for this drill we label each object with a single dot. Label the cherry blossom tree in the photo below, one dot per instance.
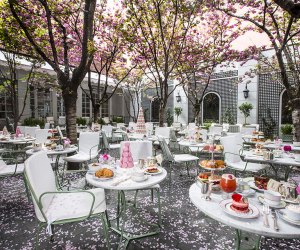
(208, 45)
(283, 31)
(111, 61)
(157, 32)
(291, 6)
(48, 26)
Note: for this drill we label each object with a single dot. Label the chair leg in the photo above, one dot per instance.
(159, 207)
(187, 168)
(135, 198)
(26, 190)
(152, 198)
(39, 227)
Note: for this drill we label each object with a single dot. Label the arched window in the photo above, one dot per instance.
(286, 109)
(211, 107)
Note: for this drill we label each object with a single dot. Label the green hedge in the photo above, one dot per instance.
(32, 122)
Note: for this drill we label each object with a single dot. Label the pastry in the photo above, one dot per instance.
(104, 173)
(261, 182)
(239, 204)
(152, 170)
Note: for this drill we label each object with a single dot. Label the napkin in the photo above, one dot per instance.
(119, 180)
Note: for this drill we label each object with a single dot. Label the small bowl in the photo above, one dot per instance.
(272, 196)
(138, 176)
(94, 167)
(293, 212)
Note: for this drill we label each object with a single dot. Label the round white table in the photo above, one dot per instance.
(49, 152)
(212, 209)
(273, 146)
(128, 185)
(23, 140)
(287, 162)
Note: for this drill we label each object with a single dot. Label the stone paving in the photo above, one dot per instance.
(184, 226)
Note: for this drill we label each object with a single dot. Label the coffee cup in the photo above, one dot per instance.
(272, 198)
(138, 176)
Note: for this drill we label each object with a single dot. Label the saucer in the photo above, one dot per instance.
(282, 204)
(138, 179)
(287, 219)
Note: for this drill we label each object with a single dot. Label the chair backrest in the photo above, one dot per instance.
(167, 155)
(173, 137)
(30, 131)
(191, 125)
(22, 129)
(232, 145)
(132, 125)
(139, 149)
(107, 129)
(163, 131)
(215, 129)
(62, 121)
(50, 119)
(40, 179)
(59, 132)
(149, 127)
(248, 130)
(47, 125)
(120, 125)
(104, 141)
(176, 125)
(253, 125)
(203, 133)
(106, 120)
(234, 129)
(41, 135)
(95, 126)
(89, 143)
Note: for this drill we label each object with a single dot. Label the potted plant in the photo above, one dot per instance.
(287, 132)
(177, 112)
(245, 109)
(169, 117)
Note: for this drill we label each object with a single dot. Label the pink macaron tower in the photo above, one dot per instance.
(126, 157)
(18, 132)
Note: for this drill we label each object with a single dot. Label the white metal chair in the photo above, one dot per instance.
(62, 137)
(232, 147)
(11, 169)
(175, 158)
(31, 130)
(234, 129)
(248, 130)
(108, 130)
(132, 125)
(53, 207)
(41, 135)
(106, 145)
(216, 129)
(149, 128)
(61, 121)
(47, 125)
(88, 148)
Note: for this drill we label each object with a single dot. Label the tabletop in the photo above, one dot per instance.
(53, 151)
(275, 146)
(213, 209)
(188, 143)
(17, 140)
(286, 159)
(128, 184)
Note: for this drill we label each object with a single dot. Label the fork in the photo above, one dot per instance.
(266, 212)
(274, 217)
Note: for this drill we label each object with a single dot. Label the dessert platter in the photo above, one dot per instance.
(153, 170)
(213, 164)
(238, 206)
(104, 174)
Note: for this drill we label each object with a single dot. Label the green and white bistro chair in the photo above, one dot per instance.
(53, 207)
(172, 159)
(233, 145)
(109, 147)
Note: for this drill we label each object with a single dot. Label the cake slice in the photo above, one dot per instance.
(239, 204)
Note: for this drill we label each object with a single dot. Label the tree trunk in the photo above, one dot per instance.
(197, 116)
(162, 108)
(96, 113)
(70, 98)
(296, 118)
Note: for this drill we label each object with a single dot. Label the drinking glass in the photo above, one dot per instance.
(228, 184)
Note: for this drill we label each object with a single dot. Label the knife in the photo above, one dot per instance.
(274, 217)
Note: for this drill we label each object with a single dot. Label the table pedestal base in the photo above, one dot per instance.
(241, 237)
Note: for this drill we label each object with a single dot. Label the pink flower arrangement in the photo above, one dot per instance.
(104, 157)
(67, 141)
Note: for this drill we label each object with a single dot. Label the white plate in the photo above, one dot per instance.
(287, 219)
(252, 213)
(159, 172)
(295, 201)
(252, 185)
(102, 178)
(282, 204)
(214, 169)
(139, 180)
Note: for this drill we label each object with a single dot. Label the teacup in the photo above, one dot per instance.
(293, 212)
(272, 198)
(138, 176)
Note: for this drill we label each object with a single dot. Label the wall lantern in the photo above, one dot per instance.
(246, 92)
(178, 97)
